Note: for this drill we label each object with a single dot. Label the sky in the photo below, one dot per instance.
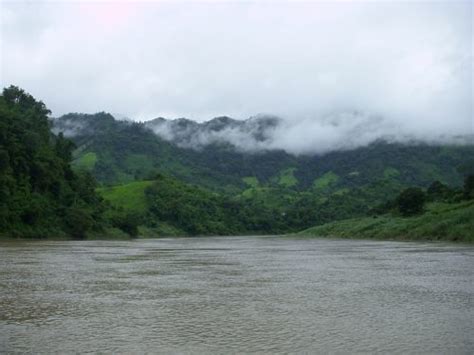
(409, 64)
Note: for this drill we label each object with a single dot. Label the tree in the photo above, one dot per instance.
(469, 187)
(467, 168)
(127, 222)
(40, 194)
(411, 201)
(438, 191)
(78, 222)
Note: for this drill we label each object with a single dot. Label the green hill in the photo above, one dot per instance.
(120, 151)
(286, 193)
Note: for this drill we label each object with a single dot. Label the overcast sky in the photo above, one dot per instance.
(409, 62)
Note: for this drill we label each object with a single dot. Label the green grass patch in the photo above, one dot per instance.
(325, 181)
(130, 197)
(86, 161)
(287, 178)
(251, 181)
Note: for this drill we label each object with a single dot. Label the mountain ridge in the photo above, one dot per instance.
(125, 151)
(256, 133)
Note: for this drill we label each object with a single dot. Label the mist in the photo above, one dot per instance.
(339, 74)
(341, 131)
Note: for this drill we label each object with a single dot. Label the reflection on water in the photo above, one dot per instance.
(248, 294)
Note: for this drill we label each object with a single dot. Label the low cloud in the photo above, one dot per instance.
(341, 131)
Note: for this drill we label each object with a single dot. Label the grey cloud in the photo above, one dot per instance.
(405, 67)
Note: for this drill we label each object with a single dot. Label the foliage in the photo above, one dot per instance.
(86, 161)
(250, 181)
(286, 178)
(469, 187)
(466, 167)
(411, 201)
(326, 180)
(40, 195)
(390, 173)
(130, 197)
(442, 221)
(127, 222)
(130, 151)
(438, 191)
(77, 222)
(190, 208)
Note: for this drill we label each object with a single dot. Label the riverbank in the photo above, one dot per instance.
(453, 222)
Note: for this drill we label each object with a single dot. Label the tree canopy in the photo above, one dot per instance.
(40, 194)
(411, 201)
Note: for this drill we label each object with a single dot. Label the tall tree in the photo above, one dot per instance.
(40, 195)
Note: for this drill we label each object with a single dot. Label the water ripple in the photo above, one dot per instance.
(234, 295)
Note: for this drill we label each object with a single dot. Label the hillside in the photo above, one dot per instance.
(121, 151)
(285, 192)
(441, 221)
(167, 206)
(130, 197)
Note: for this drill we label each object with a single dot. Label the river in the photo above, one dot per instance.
(236, 294)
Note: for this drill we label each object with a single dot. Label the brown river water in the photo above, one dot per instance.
(236, 295)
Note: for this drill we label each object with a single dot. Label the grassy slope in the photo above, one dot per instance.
(286, 178)
(86, 161)
(130, 197)
(449, 222)
(326, 180)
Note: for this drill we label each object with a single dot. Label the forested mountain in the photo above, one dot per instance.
(122, 151)
(276, 191)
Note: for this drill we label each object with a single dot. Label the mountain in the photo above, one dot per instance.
(123, 151)
(293, 191)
